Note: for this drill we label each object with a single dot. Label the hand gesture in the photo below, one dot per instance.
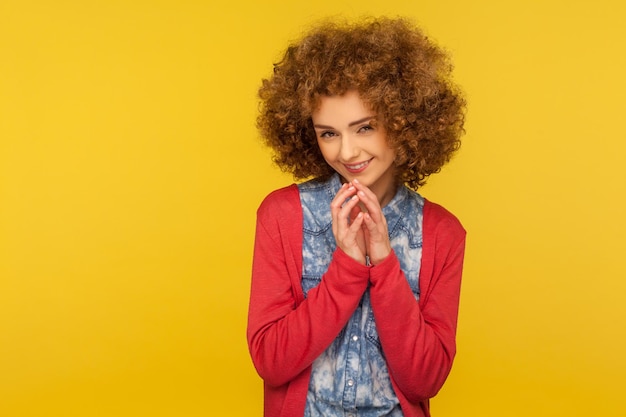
(359, 226)
(374, 225)
(347, 222)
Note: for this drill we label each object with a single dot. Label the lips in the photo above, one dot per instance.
(356, 168)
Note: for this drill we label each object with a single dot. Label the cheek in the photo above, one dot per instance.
(326, 150)
(388, 150)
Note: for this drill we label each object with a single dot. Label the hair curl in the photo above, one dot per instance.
(401, 74)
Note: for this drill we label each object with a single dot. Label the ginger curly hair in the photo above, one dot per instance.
(400, 73)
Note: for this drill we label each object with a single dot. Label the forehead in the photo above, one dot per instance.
(340, 109)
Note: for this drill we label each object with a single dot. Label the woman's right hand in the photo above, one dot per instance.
(347, 223)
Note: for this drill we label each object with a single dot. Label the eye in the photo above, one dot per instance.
(327, 134)
(365, 128)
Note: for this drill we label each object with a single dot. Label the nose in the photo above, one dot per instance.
(349, 148)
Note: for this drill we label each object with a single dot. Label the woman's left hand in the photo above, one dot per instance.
(374, 225)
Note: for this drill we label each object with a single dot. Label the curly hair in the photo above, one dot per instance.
(397, 71)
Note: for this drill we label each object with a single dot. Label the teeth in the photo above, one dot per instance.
(359, 166)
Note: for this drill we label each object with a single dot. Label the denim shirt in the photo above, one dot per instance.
(350, 378)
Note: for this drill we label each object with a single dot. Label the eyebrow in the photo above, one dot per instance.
(356, 122)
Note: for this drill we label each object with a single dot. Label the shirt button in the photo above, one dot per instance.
(350, 382)
(355, 338)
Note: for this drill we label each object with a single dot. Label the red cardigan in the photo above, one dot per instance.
(287, 332)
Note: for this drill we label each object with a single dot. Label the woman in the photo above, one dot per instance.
(356, 277)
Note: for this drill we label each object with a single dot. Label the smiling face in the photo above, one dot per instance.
(354, 146)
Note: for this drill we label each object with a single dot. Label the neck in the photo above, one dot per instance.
(386, 195)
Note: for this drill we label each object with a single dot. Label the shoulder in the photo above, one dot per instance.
(440, 222)
(281, 202)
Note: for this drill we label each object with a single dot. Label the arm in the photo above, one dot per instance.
(285, 333)
(419, 338)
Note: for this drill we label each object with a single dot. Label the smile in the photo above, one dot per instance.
(357, 167)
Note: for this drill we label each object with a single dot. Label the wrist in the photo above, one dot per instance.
(378, 258)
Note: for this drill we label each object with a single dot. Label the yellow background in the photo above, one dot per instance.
(130, 172)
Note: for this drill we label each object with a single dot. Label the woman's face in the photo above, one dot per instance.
(353, 146)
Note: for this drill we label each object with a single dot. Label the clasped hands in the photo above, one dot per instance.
(359, 226)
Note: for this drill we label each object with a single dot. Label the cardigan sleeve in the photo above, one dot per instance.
(418, 338)
(286, 332)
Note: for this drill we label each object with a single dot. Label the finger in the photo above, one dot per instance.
(353, 234)
(350, 209)
(370, 202)
(368, 196)
(376, 231)
(357, 223)
(345, 192)
(355, 211)
(342, 217)
(351, 239)
(378, 245)
(336, 204)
